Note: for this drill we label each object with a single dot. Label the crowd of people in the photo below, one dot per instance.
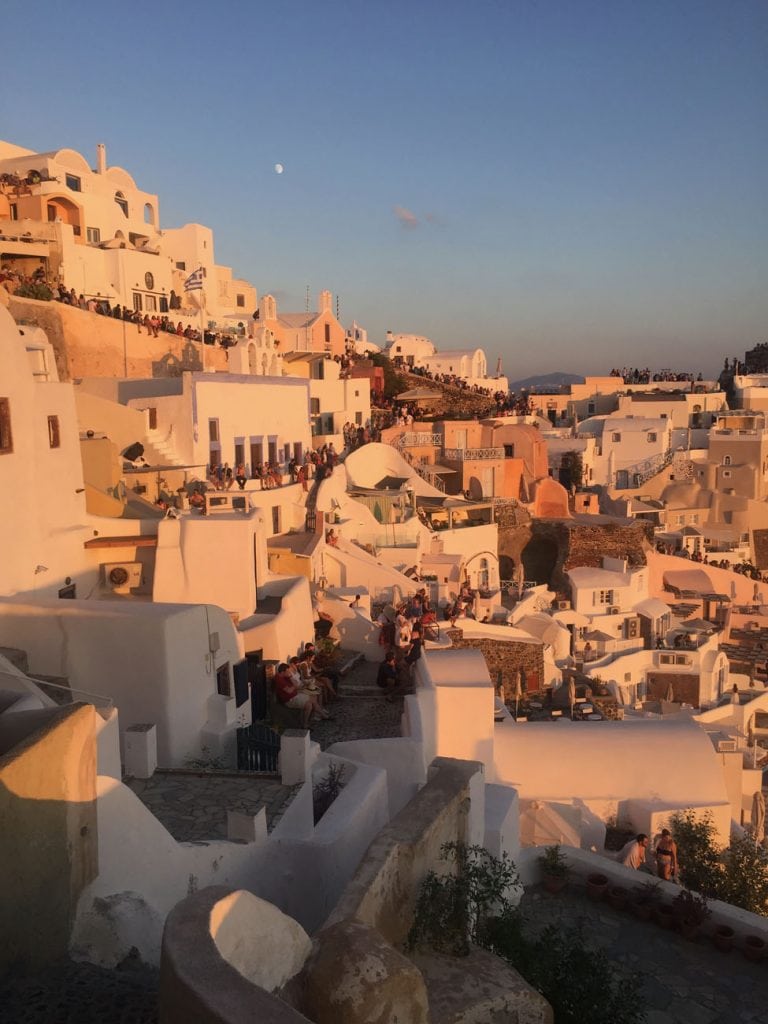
(307, 682)
(633, 375)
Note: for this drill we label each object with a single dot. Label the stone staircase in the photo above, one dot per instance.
(160, 449)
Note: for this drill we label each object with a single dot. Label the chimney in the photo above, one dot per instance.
(101, 158)
(325, 303)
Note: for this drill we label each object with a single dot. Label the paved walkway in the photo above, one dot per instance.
(193, 806)
(75, 993)
(361, 712)
(684, 982)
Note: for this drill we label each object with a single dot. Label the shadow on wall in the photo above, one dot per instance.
(48, 839)
(540, 558)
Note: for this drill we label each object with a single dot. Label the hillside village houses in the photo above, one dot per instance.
(146, 596)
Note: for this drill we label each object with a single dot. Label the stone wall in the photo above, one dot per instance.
(548, 548)
(48, 840)
(88, 345)
(505, 658)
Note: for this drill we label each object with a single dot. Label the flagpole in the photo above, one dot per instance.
(202, 324)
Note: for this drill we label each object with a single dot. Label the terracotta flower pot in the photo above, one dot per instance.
(664, 915)
(722, 937)
(753, 948)
(597, 886)
(617, 897)
(555, 883)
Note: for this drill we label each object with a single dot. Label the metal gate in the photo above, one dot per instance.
(258, 748)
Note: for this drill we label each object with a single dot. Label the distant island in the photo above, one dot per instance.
(545, 380)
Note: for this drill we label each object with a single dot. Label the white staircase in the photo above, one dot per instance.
(160, 450)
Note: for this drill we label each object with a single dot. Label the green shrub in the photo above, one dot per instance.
(698, 856)
(34, 290)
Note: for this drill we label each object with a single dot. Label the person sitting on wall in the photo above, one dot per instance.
(289, 694)
(633, 854)
(314, 676)
(332, 539)
(388, 675)
(413, 654)
(321, 664)
(240, 476)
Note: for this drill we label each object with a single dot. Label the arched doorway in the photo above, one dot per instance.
(59, 208)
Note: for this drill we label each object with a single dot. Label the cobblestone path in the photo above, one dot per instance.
(361, 712)
(684, 982)
(193, 806)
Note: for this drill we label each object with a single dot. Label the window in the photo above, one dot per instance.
(257, 454)
(54, 436)
(275, 519)
(93, 235)
(122, 202)
(149, 214)
(509, 451)
(68, 592)
(6, 436)
(272, 450)
(14, 211)
(72, 182)
(726, 474)
(591, 409)
(358, 419)
(651, 437)
(223, 683)
(298, 452)
(327, 334)
(181, 265)
(240, 300)
(52, 213)
(213, 430)
(726, 460)
(314, 406)
(137, 303)
(604, 597)
(616, 437)
(286, 452)
(151, 303)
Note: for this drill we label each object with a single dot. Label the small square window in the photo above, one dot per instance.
(223, 682)
(616, 437)
(93, 235)
(651, 437)
(54, 435)
(181, 265)
(240, 302)
(73, 182)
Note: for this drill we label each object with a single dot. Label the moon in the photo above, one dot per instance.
(279, 168)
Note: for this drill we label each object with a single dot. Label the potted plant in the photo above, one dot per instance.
(664, 915)
(690, 911)
(722, 937)
(644, 899)
(753, 947)
(617, 897)
(597, 886)
(554, 869)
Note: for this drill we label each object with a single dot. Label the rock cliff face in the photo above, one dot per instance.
(550, 547)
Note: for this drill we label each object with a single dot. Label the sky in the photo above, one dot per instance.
(572, 185)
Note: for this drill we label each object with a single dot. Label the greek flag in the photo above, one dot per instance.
(195, 280)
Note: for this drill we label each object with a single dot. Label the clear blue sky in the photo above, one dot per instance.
(588, 177)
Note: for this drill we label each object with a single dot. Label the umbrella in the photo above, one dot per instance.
(670, 696)
(758, 816)
(417, 395)
(571, 693)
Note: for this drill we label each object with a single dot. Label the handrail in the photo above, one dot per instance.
(460, 454)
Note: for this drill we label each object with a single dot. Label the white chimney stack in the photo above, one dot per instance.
(101, 158)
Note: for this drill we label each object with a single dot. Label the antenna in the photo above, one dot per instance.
(337, 306)
(498, 367)
(306, 301)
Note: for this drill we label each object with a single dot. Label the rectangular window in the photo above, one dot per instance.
(651, 437)
(152, 417)
(69, 592)
(181, 265)
(52, 212)
(616, 437)
(240, 301)
(6, 436)
(605, 597)
(72, 182)
(151, 303)
(14, 211)
(257, 454)
(314, 406)
(275, 519)
(213, 430)
(358, 419)
(272, 450)
(327, 334)
(286, 452)
(137, 303)
(54, 436)
(223, 682)
(93, 235)
(239, 452)
(509, 451)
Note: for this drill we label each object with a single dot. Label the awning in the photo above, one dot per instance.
(694, 580)
(418, 395)
(652, 608)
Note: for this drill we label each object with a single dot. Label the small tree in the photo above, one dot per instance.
(34, 290)
(698, 856)
(571, 469)
(745, 878)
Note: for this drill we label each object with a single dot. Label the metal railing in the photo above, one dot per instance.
(460, 454)
(640, 472)
(413, 439)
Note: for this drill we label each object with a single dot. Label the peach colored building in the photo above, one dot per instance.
(317, 331)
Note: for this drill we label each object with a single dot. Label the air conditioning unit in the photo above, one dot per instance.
(614, 610)
(727, 747)
(563, 606)
(122, 576)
